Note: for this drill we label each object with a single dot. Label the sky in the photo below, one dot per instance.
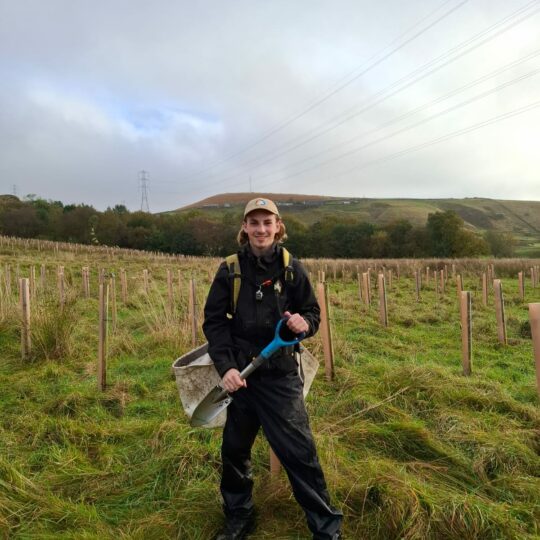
(349, 98)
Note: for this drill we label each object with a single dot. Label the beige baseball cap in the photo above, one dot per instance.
(261, 204)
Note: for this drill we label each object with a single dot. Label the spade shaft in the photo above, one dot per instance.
(219, 399)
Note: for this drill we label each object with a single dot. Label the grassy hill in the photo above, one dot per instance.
(521, 218)
(411, 448)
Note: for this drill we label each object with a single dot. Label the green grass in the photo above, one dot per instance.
(410, 447)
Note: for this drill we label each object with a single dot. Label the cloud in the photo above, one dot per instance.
(215, 97)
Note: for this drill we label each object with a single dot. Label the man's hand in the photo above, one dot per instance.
(296, 323)
(231, 381)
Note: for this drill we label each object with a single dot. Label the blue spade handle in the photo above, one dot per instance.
(271, 348)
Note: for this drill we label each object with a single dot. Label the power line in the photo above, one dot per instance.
(453, 134)
(407, 128)
(411, 126)
(443, 138)
(507, 19)
(341, 86)
(381, 93)
(415, 148)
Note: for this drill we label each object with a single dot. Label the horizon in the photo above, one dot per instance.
(261, 193)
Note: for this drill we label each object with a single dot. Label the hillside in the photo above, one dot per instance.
(521, 218)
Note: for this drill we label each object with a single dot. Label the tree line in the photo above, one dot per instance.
(195, 233)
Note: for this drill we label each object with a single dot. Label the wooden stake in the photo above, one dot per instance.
(24, 295)
(441, 274)
(43, 276)
(459, 286)
(466, 331)
(365, 289)
(123, 285)
(33, 281)
(102, 347)
(170, 297)
(193, 311)
(83, 280)
(86, 281)
(417, 284)
(61, 286)
(275, 464)
(326, 331)
(521, 285)
(179, 276)
(499, 311)
(145, 281)
(484, 289)
(383, 308)
(534, 319)
(7, 277)
(112, 290)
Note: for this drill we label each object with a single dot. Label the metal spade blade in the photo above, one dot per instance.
(216, 400)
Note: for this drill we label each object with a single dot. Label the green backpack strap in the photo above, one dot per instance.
(287, 264)
(233, 264)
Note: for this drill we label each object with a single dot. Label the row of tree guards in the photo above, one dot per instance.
(107, 290)
(438, 277)
(422, 279)
(109, 252)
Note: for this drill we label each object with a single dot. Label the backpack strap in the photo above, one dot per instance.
(287, 265)
(233, 264)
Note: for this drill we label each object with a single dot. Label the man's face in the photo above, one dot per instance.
(261, 228)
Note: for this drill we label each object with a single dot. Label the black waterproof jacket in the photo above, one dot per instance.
(234, 342)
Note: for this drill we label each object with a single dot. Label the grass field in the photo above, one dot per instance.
(411, 448)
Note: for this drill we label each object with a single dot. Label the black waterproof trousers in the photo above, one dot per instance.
(274, 401)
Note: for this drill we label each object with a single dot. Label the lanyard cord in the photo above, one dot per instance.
(266, 283)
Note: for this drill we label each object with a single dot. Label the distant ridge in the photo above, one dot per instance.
(520, 218)
(243, 198)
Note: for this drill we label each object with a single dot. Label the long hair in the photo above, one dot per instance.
(280, 237)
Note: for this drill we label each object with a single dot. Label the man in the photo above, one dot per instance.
(237, 330)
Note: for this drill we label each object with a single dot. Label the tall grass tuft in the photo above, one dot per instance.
(52, 329)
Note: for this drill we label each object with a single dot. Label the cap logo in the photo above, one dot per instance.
(260, 202)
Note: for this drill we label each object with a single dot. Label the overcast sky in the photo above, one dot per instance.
(386, 98)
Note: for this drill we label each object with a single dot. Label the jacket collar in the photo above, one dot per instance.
(265, 260)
